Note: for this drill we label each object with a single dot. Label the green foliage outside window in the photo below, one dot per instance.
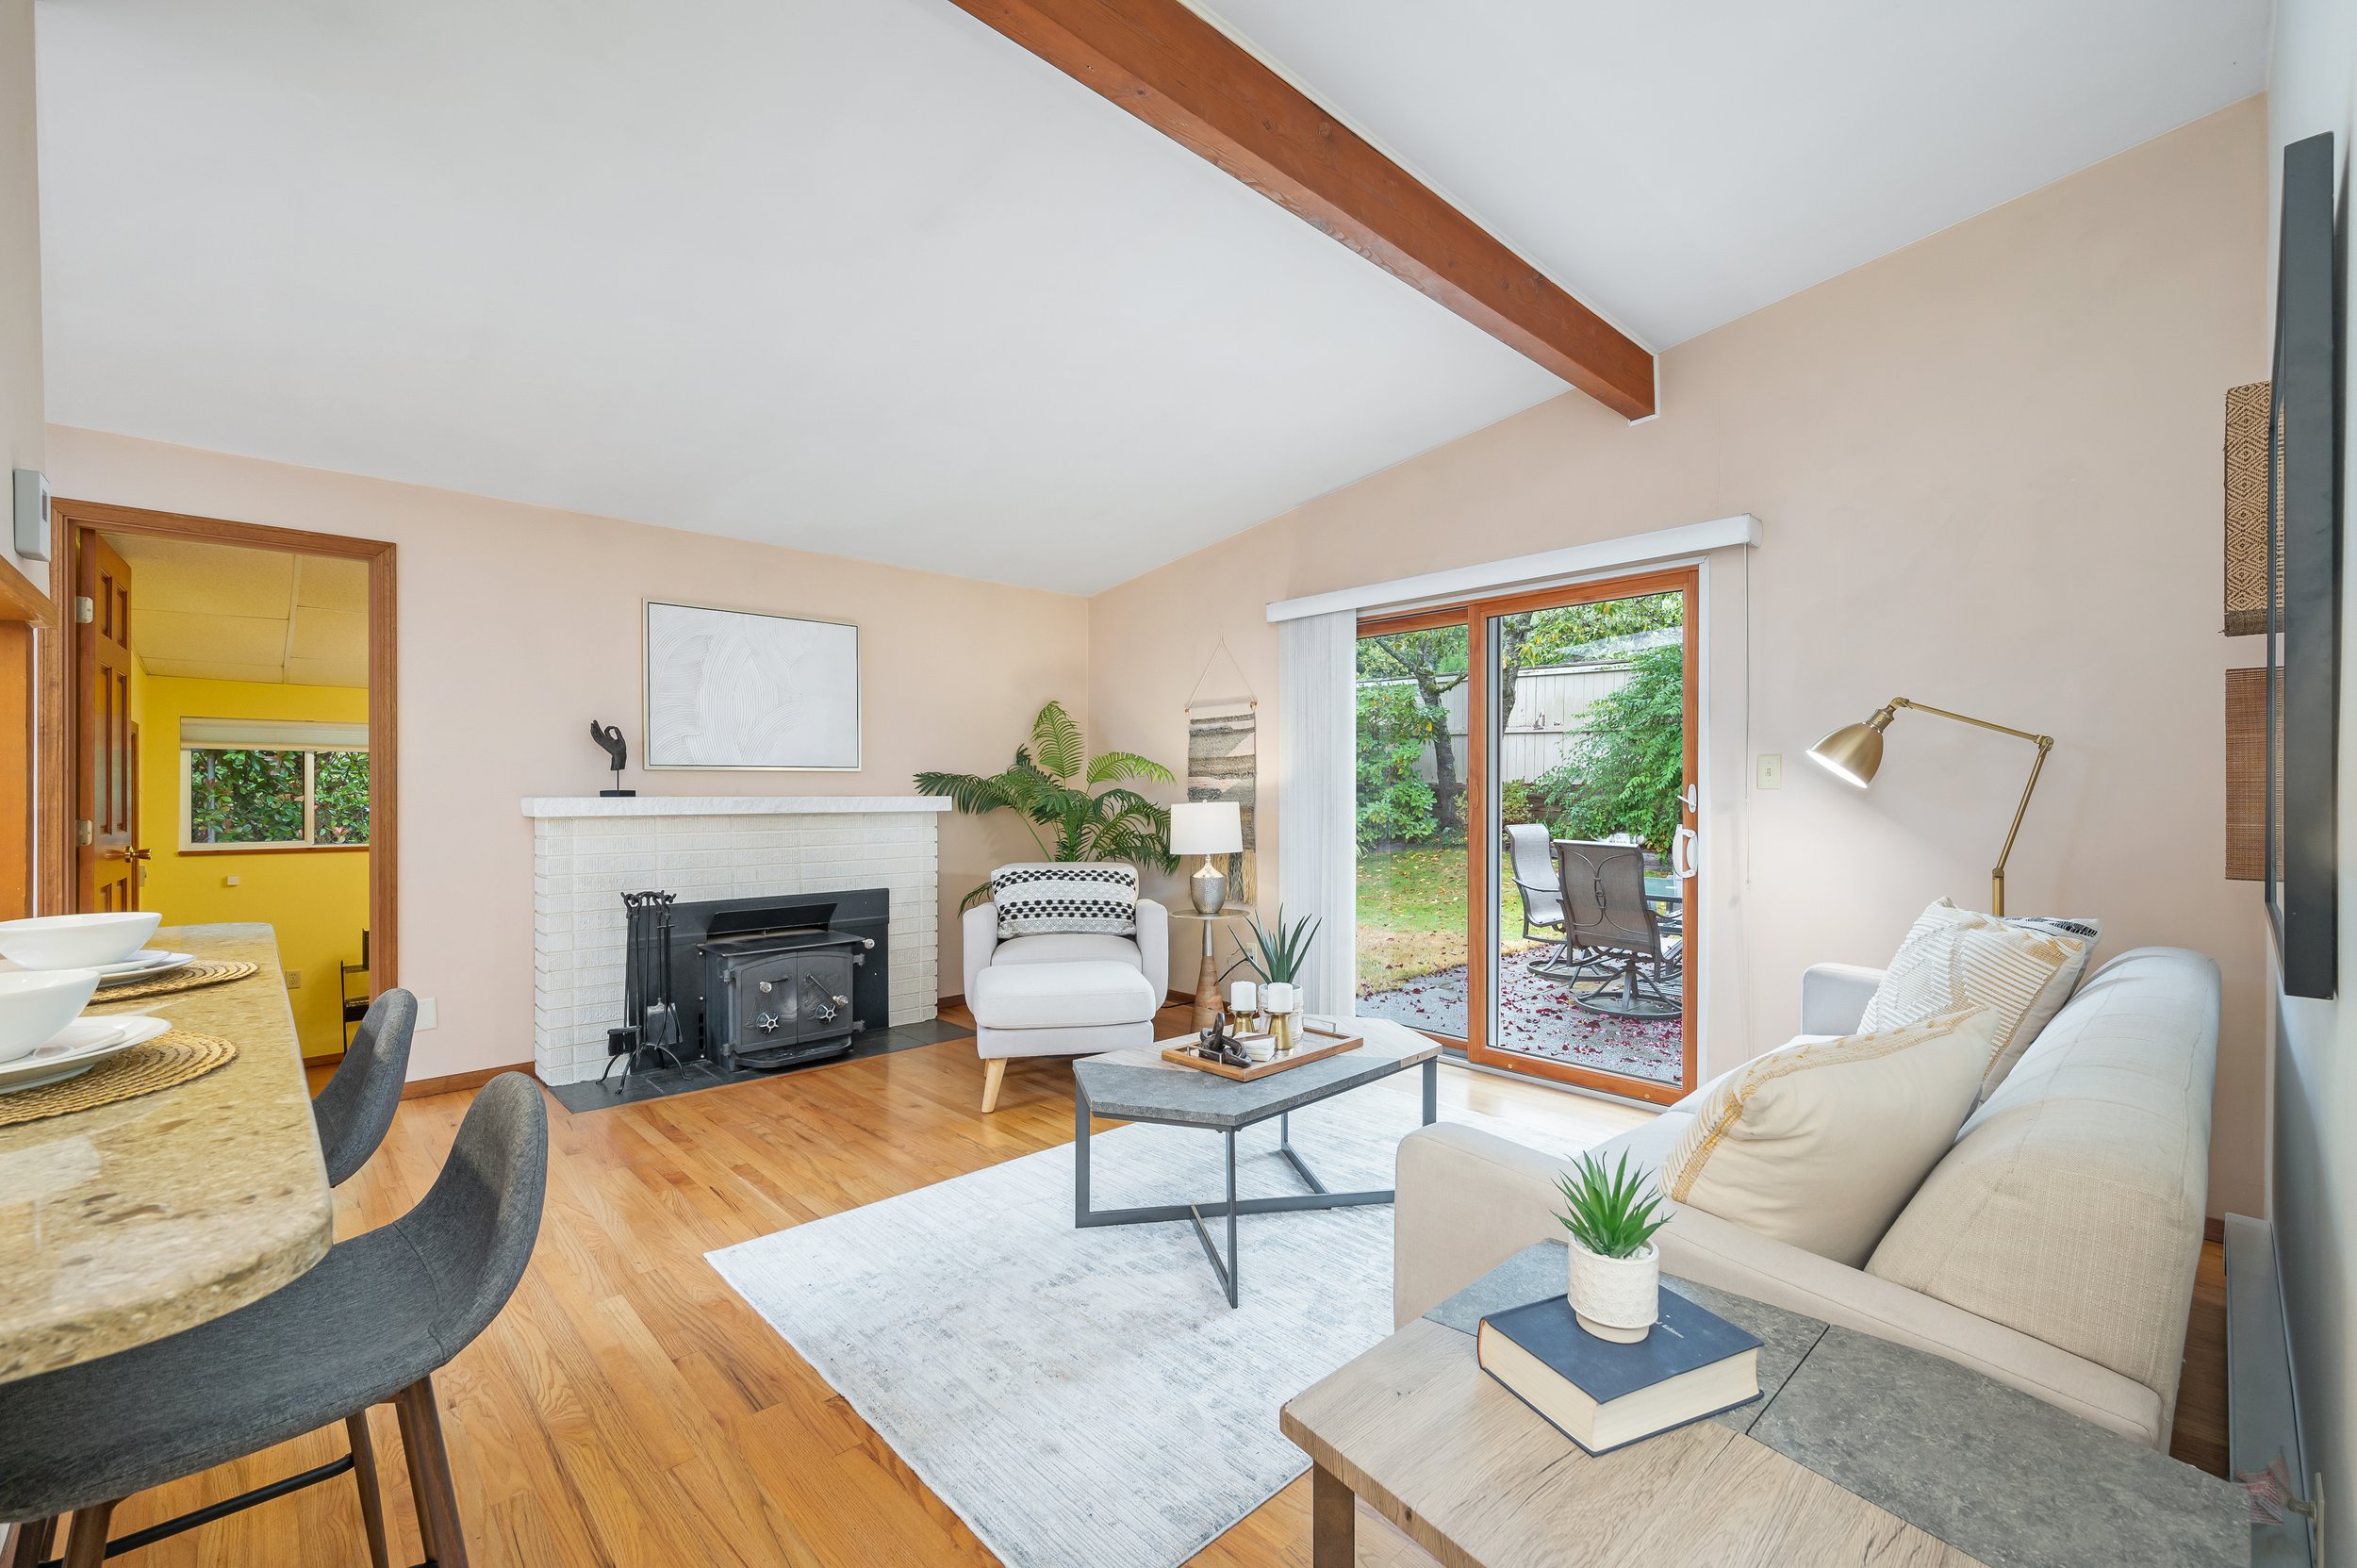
(1394, 805)
(341, 780)
(245, 797)
(238, 796)
(1626, 772)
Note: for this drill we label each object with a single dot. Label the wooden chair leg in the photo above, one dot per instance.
(30, 1546)
(86, 1546)
(994, 1074)
(410, 1443)
(429, 1469)
(371, 1501)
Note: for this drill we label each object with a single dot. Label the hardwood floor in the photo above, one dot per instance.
(628, 1409)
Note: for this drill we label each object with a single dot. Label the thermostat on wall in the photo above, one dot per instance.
(32, 515)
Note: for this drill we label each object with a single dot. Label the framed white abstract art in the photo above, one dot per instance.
(735, 688)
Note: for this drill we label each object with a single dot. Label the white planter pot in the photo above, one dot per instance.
(1616, 1298)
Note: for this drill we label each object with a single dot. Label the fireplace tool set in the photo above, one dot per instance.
(647, 996)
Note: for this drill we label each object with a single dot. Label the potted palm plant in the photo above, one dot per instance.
(1279, 961)
(1615, 1268)
(1054, 784)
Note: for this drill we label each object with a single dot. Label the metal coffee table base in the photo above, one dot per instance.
(1164, 1214)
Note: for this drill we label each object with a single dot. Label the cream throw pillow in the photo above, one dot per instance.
(1821, 1143)
(2021, 971)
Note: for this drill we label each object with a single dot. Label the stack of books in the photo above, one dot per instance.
(1602, 1395)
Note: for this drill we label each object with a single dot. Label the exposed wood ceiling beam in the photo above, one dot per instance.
(1186, 78)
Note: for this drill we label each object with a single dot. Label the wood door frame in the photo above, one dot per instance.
(56, 740)
(1484, 892)
(27, 628)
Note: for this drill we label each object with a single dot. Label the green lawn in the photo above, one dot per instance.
(1412, 914)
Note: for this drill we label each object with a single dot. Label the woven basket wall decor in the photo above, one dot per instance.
(2247, 409)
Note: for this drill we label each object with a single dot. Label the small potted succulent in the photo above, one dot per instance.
(1283, 953)
(1616, 1269)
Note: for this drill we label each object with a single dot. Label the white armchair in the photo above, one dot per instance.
(1061, 996)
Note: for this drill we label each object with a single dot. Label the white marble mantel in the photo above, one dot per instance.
(588, 851)
(726, 805)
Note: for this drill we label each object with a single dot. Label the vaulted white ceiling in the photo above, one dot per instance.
(1681, 165)
(866, 279)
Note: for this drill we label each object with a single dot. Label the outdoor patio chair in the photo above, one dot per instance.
(1610, 924)
(1533, 861)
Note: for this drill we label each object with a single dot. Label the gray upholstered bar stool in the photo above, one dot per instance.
(372, 1322)
(357, 1106)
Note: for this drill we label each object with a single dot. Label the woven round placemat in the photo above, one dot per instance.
(163, 1062)
(204, 971)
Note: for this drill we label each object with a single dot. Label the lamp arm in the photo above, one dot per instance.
(2044, 743)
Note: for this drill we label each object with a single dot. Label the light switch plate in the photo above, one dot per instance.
(1770, 770)
(31, 504)
(428, 1014)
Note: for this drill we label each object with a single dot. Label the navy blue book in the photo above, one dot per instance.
(1603, 1395)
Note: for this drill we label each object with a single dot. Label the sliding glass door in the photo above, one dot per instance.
(1528, 881)
(1414, 946)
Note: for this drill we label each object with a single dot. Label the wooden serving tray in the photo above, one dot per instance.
(1316, 1044)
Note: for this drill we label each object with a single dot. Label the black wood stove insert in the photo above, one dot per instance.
(777, 979)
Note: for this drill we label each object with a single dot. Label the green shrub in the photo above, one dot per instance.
(1626, 772)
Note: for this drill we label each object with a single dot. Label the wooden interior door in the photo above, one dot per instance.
(105, 831)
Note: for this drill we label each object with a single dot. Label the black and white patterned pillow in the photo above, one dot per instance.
(1048, 898)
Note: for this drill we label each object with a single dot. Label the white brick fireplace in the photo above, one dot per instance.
(586, 851)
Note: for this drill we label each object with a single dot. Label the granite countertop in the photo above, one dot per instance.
(126, 1223)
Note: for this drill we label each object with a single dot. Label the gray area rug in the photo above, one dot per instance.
(1086, 1398)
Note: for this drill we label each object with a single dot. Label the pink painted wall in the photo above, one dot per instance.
(1988, 468)
(519, 625)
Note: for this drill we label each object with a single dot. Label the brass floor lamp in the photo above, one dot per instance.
(1854, 751)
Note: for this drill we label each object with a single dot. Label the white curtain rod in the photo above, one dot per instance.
(1573, 561)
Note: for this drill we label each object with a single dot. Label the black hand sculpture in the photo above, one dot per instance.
(610, 737)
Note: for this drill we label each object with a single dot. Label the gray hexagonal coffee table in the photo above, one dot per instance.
(1139, 1086)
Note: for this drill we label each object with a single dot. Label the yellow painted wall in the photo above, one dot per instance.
(317, 899)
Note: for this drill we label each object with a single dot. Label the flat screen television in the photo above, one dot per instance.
(2304, 563)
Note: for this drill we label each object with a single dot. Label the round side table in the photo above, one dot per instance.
(1206, 1003)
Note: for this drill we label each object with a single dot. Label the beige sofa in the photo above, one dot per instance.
(2052, 1248)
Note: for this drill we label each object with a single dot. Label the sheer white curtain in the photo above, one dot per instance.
(1316, 797)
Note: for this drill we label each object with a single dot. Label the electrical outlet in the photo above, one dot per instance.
(294, 980)
(1770, 770)
(229, 881)
(428, 1016)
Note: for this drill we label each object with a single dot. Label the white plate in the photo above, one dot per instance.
(78, 1048)
(145, 965)
(147, 961)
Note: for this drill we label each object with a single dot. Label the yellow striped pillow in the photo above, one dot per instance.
(1956, 958)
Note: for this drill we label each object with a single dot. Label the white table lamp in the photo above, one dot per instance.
(1207, 827)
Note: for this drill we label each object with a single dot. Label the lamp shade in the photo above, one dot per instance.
(1851, 753)
(1206, 828)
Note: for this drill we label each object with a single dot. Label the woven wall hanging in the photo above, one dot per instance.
(2247, 509)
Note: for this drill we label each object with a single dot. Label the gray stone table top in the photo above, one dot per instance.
(1138, 1085)
(1995, 1473)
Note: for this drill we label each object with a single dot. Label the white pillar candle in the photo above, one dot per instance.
(1243, 997)
(1277, 997)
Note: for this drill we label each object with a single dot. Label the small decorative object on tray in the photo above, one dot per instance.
(1251, 1056)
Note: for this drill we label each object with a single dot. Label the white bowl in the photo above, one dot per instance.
(36, 1003)
(76, 941)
